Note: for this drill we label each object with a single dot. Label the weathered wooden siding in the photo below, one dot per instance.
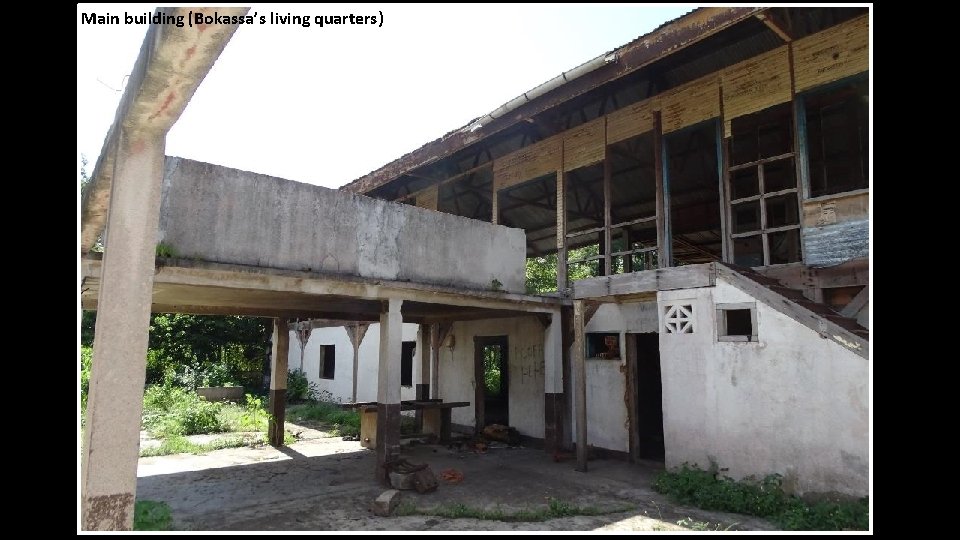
(583, 145)
(527, 163)
(691, 103)
(755, 84)
(631, 120)
(835, 53)
(428, 198)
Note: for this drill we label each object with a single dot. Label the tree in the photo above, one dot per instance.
(541, 272)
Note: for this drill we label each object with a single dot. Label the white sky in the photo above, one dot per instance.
(326, 105)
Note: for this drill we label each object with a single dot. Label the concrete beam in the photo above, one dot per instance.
(172, 63)
(235, 280)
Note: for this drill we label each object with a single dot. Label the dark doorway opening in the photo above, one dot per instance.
(643, 355)
(492, 381)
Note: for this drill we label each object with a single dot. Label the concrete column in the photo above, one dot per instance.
(388, 388)
(278, 381)
(437, 333)
(553, 384)
(580, 393)
(111, 437)
(423, 384)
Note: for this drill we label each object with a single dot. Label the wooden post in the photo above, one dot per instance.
(278, 380)
(356, 332)
(664, 248)
(607, 240)
(561, 227)
(580, 394)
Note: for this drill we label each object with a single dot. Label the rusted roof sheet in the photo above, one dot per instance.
(663, 41)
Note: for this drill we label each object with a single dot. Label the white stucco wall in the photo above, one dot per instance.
(607, 421)
(791, 403)
(526, 385)
(341, 386)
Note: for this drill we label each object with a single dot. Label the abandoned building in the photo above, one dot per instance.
(704, 190)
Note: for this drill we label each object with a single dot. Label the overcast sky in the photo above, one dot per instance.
(326, 105)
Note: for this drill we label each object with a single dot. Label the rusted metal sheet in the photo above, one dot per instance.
(760, 82)
(645, 50)
(830, 245)
(833, 54)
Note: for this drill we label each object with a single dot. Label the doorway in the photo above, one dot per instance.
(646, 409)
(492, 381)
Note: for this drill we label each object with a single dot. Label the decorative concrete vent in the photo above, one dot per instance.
(678, 318)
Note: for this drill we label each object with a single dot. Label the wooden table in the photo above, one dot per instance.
(436, 418)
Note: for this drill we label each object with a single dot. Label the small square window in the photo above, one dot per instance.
(737, 322)
(604, 345)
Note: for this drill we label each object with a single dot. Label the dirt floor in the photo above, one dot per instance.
(325, 483)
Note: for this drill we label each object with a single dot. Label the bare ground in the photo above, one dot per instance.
(325, 483)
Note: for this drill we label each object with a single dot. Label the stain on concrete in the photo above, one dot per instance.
(108, 512)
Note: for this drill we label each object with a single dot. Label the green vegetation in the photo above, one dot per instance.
(200, 350)
(491, 370)
(86, 357)
(151, 516)
(341, 422)
(766, 499)
(182, 445)
(299, 388)
(165, 250)
(555, 509)
(170, 411)
(496, 285)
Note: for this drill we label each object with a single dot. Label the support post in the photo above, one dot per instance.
(553, 384)
(561, 228)
(388, 388)
(664, 245)
(278, 381)
(111, 437)
(580, 370)
(423, 385)
(607, 240)
(356, 332)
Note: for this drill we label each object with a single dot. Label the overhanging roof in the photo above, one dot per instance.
(668, 38)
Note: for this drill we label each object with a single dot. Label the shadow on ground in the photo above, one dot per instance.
(328, 484)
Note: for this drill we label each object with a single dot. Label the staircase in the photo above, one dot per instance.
(791, 302)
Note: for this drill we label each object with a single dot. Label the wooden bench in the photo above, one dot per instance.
(436, 418)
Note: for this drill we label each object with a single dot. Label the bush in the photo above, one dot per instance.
(86, 359)
(710, 491)
(151, 516)
(171, 411)
(299, 388)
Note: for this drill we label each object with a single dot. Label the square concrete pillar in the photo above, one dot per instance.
(388, 388)
(111, 436)
(278, 381)
(553, 384)
(423, 384)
